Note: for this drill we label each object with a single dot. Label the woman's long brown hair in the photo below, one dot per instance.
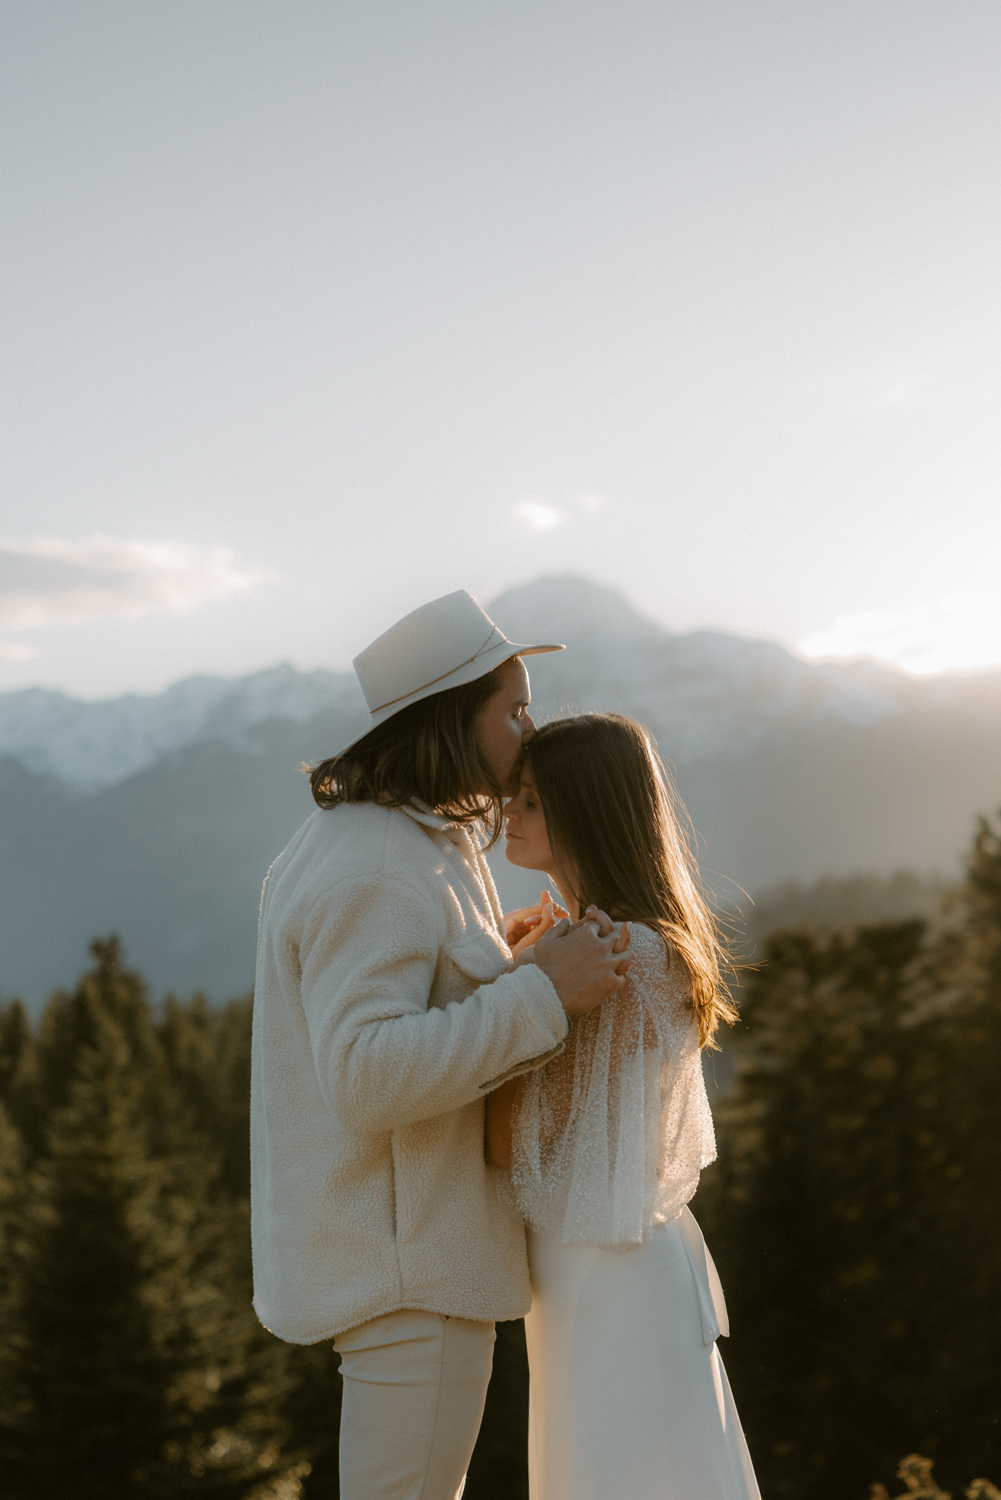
(612, 824)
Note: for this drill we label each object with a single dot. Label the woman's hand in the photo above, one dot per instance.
(526, 925)
(518, 924)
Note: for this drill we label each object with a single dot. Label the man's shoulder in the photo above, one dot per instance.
(356, 841)
(351, 854)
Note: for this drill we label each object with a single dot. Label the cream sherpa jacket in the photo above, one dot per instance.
(385, 1008)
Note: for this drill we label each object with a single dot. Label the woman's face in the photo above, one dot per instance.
(527, 839)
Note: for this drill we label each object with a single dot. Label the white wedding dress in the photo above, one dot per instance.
(629, 1397)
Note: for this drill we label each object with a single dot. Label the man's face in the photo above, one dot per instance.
(503, 727)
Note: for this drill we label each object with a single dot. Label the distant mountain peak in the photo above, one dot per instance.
(559, 605)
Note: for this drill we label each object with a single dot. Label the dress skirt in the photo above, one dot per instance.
(629, 1397)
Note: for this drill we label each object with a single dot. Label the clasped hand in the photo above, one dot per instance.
(585, 960)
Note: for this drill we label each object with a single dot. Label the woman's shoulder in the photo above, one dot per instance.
(652, 951)
(658, 968)
(649, 942)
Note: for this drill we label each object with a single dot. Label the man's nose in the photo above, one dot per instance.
(528, 729)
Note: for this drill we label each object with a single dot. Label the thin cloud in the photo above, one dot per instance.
(959, 632)
(537, 516)
(16, 651)
(50, 581)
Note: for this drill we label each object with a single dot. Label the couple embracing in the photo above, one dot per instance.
(460, 1116)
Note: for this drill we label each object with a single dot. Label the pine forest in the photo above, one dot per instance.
(854, 1214)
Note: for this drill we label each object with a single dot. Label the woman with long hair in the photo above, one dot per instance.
(601, 1149)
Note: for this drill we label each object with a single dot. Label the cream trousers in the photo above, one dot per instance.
(414, 1388)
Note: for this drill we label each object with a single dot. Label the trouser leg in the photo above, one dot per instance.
(414, 1388)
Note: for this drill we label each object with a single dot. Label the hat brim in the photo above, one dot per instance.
(493, 657)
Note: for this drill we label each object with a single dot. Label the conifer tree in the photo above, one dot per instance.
(97, 1262)
(20, 1091)
(855, 1211)
(140, 1370)
(72, 1022)
(983, 908)
(854, 1215)
(207, 1054)
(12, 1185)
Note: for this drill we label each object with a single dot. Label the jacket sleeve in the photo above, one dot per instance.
(385, 1058)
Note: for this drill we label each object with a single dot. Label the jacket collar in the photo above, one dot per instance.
(421, 813)
(460, 834)
(468, 846)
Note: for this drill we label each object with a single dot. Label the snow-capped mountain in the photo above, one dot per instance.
(88, 746)
(706, 693)
(157, 816)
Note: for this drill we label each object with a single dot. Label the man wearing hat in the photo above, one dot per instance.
(386, 1008)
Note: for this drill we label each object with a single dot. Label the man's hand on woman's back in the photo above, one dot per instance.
(586, 963)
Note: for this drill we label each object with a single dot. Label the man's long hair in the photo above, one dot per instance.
(427, 753)
(610, 816)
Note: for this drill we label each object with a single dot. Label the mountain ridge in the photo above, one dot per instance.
(92, 744)
(790, 771)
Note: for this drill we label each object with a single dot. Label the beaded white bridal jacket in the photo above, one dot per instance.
(629, 1397)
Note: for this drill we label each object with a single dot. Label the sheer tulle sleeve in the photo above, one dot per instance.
(610, 1137)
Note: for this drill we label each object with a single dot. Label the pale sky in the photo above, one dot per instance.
(313, 312)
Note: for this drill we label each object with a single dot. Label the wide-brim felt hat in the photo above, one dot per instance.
(444, 644)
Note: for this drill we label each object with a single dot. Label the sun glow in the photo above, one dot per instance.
(958, 632)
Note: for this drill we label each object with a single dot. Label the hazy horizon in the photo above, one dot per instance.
(895, 668)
